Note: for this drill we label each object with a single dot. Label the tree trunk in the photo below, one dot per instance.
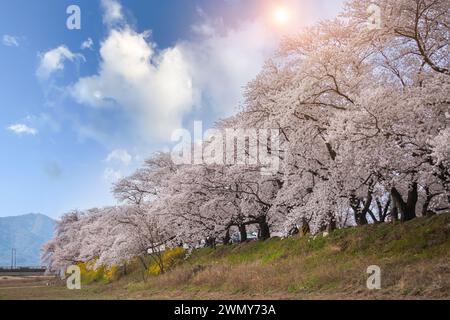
(355, 205)
(407, 210)
(145, 268)
(394, 214)
(444, 175)
(385, 210)
(361, 212)
(243, 232)
(210, 242)
(398, 202)
(227, 238)
(305, 228)
(294, 231)
(331, 226)
(426, 212)
(411, 203)
(144, 265)
(264, 230)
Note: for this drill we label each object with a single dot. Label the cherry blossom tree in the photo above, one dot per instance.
(360, 113)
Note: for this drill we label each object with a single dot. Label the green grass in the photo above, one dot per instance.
(409, 254)
(414, 259)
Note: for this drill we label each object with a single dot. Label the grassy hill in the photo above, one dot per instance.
(414, 259)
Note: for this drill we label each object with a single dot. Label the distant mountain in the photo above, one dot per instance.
(27, 234)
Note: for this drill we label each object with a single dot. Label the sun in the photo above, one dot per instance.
(281, 15)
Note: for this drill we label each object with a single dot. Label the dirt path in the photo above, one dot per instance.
(24, 287)
(35, 292)
(46, 288)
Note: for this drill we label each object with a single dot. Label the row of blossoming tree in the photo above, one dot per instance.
(362, 116)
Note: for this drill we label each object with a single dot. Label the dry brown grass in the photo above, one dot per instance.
(414, 259)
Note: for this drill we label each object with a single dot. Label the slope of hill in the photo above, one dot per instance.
(413, 257)
(26, 233)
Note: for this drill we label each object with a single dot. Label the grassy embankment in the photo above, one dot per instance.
(414, 258)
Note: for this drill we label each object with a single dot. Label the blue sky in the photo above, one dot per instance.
(81, 108)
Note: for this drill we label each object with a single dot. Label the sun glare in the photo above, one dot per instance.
(281, 15)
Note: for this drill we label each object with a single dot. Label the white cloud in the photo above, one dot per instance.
(113, 13)
(203, 29)
(53, 60)
(43, 121)
(118, 161)
(225, 59)
(160, 89)
(222, 63)
(33, 124)
(22, 129)
(207, 26)
(112, 175)
(10, 41)
(155, 89)
(120, 155)
(88, 44)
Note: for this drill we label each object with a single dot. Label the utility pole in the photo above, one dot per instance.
(13, 259)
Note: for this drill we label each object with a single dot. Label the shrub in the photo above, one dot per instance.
(169, 259)
(90, 274)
